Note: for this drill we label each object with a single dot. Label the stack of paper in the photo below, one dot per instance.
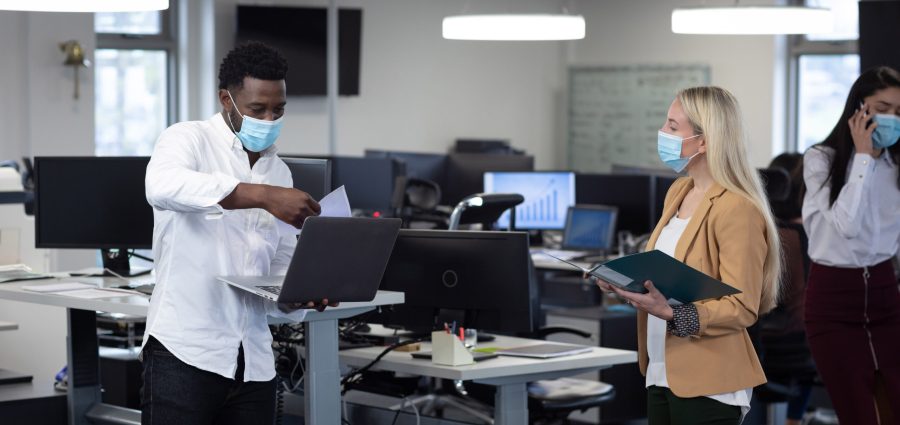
(79, 290)
(14, 272)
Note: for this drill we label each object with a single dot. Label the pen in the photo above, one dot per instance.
(446, 328)
(462, 334)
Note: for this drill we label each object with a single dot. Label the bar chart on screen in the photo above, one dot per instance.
(548, 195)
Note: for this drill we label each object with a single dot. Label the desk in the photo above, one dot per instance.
(543, 262)
(322, 382)
(509, 374)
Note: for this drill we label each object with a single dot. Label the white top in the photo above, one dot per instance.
(862, 228)
(200, 320)
(656, 329)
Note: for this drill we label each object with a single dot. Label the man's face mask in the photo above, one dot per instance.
(256, 135)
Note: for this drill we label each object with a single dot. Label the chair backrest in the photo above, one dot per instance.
(485, 208)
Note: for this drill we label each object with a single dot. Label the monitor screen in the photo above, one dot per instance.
(460, 275)
(590, 227)
(92, 202)
(465, 172)
(300, 34)
(310, 175)
(420, 165)
(548, 195)
(631, 194)
(369, 182)
(663, 183)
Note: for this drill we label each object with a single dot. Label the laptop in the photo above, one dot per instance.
(338, 258)
(590, 230)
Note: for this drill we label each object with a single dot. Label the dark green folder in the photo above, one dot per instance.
(677, 281)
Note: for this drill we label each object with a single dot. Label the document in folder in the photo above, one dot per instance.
(677, 281)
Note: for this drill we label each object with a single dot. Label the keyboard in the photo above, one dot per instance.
(271, 289)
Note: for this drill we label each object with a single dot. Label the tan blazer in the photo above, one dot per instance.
(725, 238)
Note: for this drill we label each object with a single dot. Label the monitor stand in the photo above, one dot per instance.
(118, 262)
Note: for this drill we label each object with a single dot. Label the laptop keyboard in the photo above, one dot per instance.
(273, 289)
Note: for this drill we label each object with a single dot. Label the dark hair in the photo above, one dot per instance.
(251, 59)
(792, 164)
(840, 140)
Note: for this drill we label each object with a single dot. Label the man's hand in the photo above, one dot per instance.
(289, 307)
(290, 205)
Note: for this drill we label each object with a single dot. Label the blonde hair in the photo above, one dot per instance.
(715, 113)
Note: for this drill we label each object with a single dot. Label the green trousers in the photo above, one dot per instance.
(665, 408)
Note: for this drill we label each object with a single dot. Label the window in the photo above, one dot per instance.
(823, 67)
(134, 80)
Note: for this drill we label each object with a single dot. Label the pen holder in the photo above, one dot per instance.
(448, 350)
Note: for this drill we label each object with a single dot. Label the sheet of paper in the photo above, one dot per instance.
(59, 287)
(334, 204)
(93, 294)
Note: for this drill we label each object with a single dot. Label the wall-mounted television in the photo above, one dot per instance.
(300, 34)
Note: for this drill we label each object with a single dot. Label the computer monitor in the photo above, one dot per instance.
(631, 194)
(548, 195)
(465, 172)
(311, 175)
(93, 203)
(370, 182)
(480, 279)
(661, 188)
(590, 227)
(420, 165)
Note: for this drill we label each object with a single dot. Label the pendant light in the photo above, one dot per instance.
(84, 5)
(752, 20)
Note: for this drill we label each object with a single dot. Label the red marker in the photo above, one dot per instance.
(462, 334)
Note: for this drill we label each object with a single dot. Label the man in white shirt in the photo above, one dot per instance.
(217, 189)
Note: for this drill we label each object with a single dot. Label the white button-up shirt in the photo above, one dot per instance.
(862, 228)
(199, 319)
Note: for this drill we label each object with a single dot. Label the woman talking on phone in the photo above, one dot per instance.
(699, 362)
(851, 212)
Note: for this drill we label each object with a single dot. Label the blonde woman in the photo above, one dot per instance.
(699, 363)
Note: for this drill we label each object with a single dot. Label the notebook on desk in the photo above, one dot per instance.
(341, 259)
(544, 351)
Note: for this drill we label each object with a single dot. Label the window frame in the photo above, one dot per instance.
(165, 41)
(799, 45)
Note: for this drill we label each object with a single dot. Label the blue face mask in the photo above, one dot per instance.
(669, 148)
(256, 135)
(887, 132)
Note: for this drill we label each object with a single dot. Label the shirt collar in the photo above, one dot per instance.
(228, 136)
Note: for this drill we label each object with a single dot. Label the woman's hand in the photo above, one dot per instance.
(861, 128)
(602, 284)
(653, 302)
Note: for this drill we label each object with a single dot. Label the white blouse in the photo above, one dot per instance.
(656, 329)
(862, 228)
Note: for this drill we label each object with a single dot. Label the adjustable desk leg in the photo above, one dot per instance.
(511, 404)
(322, 378)
(83, 365)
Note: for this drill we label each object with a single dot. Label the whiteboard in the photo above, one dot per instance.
(615, 112)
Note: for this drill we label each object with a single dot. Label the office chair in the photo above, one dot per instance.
(485, 209)
(420, 200)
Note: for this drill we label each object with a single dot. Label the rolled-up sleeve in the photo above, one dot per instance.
(173, 181)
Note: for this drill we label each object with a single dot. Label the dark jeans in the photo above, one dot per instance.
(665, 408)
(177, 393)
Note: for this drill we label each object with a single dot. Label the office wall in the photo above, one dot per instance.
(628, 32)
(39, 117)
(421, 92)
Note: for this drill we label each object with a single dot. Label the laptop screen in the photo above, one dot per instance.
(590, 227)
